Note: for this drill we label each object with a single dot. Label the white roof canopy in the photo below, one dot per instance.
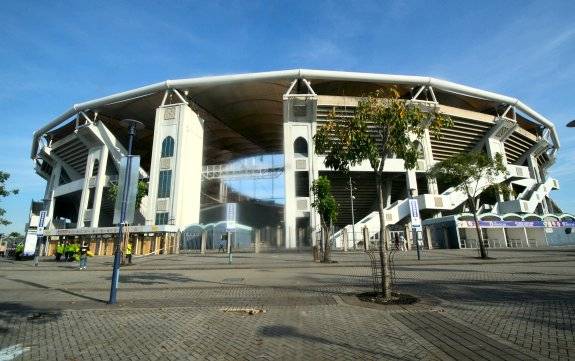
(282, 79)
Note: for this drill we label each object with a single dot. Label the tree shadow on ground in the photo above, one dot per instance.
(159, 279)
(14, 312)
(282, 331)
(547, 304)
(63, 290)
(493, 291)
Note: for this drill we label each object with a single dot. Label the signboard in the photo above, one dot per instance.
(110, 230)
(414, 211)
(517, 224)
(40, 230)
(30, 243)
(134, 174)
(231, 213)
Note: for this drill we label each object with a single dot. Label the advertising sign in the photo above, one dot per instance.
(414, 211)
(30, 243)
(517, 224)
(132, 189)
(40, 231)
(231, 213)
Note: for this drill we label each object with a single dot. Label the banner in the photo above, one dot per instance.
(134, 176)
(414, 211)
(517, 224)
(231, 214)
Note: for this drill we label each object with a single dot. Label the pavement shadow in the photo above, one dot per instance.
(63, 290)
(14, 312)
(493, 291)
(282, 331)
(154, 278)
(158, 279)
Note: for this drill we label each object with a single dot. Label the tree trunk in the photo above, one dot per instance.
(482, 250)
(322, 240)
(383, 242)
(327, 249)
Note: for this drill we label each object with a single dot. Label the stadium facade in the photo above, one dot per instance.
(204, 136)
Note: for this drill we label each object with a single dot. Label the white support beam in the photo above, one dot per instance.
(175, 91)
(99, 185)
(421, 88)
(166, 92)
(48, 152)
(308, 85)
(536, 150)
(116, 148)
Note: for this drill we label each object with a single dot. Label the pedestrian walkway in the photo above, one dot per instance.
(518, 306)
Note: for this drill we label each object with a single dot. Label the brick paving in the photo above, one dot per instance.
(520, 305)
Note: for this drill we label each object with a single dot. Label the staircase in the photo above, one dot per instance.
(448, 200)
(528, 200)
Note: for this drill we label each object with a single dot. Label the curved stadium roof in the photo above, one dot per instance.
(248, 112)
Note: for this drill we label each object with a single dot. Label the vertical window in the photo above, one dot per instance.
(95, 168)
(161, 218)
(165, 183)
(168, 147)
(91, 198)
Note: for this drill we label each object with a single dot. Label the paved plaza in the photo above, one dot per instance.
(517, 306)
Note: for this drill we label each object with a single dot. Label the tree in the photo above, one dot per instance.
(327, 207)
(467, 171)
(142, 192)
(384, 125)
(5, 193)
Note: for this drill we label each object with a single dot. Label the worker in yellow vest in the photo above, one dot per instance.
(59, 251)
(129, 253)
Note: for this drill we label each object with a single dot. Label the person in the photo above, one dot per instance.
(402, 244)
(84, 255)
(19, 250)
(3, 249)
(221, 249)
(397, 242)
(129, 253)
(59, 251)
(66, 250)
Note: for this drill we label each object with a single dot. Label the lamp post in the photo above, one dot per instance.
(132, 125)
(351, 197)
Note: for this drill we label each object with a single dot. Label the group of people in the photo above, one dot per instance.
(75, 252)
(68, 250)
(14, 250)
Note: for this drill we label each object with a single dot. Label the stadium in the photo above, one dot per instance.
(235, 153)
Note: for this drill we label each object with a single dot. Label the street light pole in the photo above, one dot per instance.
(351, 197)
(132, 125)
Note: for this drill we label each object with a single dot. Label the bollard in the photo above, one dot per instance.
(204, 241)
(257, 241)
(229, 235)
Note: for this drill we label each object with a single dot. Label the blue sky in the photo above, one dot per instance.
(54, 54)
